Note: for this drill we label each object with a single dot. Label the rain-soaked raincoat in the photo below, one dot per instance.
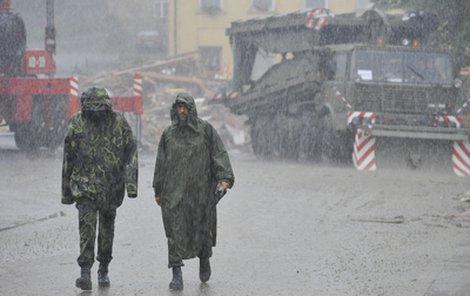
(100, 160)
(191, 159)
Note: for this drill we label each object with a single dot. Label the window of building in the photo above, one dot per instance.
(160, 9)
(316, 3)
(211, 6)
(263, 5)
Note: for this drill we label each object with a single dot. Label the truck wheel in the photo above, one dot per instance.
(255, 140)
(309, 138)
(284, 136)
(27, 134)
(290, 138)
(25, 138)
(260, 139)
(21, 138)
(56, 134)
(329, 140)
(272, 131)
(335, 147)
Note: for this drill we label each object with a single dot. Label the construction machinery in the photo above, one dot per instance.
(347, 88)
(34, 104)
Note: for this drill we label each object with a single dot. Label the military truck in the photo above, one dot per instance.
(340, 87)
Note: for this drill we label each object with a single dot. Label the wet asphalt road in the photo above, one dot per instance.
(284, 229)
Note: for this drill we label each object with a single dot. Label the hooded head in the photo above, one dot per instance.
(188, 101)
(95, 99)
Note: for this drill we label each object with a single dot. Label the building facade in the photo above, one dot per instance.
(199, 25)
(143, 16)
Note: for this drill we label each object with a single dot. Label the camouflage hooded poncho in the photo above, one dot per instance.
(100, 155)
(191, 160)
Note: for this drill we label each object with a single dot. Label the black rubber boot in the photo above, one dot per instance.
(204, 269)
(103, 279)
(84, 281)
(177, 281)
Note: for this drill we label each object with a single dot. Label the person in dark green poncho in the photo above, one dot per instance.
(192, 173)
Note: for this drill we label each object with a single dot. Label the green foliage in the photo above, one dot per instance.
(454, 29)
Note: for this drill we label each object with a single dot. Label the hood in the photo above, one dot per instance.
(188, 100)
(95, 99)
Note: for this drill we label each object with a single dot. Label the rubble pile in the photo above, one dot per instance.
(161, 82)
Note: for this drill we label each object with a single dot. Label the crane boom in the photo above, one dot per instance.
(50, 42)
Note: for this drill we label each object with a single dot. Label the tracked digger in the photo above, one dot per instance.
(362, 89)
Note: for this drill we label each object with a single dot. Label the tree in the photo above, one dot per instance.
(454, 29)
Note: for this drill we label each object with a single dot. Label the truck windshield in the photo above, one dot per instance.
(402, 67)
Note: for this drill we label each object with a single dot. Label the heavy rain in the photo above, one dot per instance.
(346, 123)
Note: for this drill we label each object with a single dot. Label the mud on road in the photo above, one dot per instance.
(284, 229)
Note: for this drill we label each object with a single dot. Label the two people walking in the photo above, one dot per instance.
(192, 172)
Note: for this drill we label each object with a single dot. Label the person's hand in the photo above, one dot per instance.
(225, 185)
(220, 190)
(157, 200)
(131, 190)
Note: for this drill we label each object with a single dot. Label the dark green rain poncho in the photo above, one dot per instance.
(100, 155)
(191, 160)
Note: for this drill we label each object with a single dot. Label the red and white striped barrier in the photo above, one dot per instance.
(464, 106)
(132, 103)
(461, 158)
(317, 18)
(74, 86)
(233, 94)
(449, 118)
(461, 149)
(369, 115)
(227, 95)
(364, 152)
(137, 87)
(218, 96)
(138, 94)
(74, 100)
(364, 143)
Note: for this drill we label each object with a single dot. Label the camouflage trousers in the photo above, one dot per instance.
(88, 216)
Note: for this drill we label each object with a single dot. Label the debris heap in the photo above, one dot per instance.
(161, 82)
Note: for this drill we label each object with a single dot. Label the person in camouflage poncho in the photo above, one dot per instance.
(100, 161)
(192, 172)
